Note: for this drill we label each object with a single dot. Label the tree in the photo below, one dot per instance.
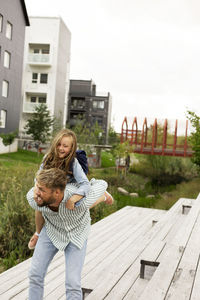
(39, 126)
(113, 137)
(195, 136)
(87, 134)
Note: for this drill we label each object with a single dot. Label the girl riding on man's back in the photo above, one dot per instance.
(62, 155)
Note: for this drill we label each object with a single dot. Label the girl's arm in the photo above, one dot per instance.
(83, 182)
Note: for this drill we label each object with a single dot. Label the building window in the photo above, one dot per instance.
(43, 78)
(34, 77)
(98, 104)
(77, 103)
(45, 51)
(5, 87)
(38, 99)
(3, 114)
(1, 23)
(36, 51)
(7, 57)
(9, 30)
(98, 120)
(42, 100)
(33, 99)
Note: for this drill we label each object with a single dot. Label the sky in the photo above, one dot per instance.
(146, 53)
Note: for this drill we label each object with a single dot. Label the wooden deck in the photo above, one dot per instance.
(116, 247)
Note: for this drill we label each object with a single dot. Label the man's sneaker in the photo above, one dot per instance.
(33, 241)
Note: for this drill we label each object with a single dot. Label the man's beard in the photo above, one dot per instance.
(51, 200)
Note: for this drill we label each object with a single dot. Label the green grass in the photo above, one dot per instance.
(22, 156)
(107, 159)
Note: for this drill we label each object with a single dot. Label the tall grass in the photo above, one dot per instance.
(17, 171)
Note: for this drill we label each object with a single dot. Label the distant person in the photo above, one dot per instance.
(63, 155)
(127, 161)
(64, 229)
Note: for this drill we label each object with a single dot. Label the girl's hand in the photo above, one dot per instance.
(70, 204)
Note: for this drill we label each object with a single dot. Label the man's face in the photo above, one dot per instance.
(43, 196)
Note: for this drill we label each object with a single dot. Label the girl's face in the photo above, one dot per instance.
(64, 147)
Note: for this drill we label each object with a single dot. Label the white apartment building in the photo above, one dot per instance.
(46, 68)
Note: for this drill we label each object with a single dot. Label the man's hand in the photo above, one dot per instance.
(70, 204)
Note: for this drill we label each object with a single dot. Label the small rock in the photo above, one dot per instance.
(123, 191)
(150, 196)
(134, 195)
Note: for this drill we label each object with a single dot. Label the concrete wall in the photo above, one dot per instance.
(12, 12)
(62, 72)
(53, 32)
(11, 148)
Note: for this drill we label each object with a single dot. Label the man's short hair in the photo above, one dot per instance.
(52, 178)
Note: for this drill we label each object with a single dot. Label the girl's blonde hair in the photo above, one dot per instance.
(52, 160)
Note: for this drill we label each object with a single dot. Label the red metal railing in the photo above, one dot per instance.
(144, 144)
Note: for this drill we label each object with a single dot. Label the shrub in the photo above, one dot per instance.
(107, 159)
(16, 218)
(166, 170)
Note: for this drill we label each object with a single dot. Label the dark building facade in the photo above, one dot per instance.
(85, 104)
(13, 19)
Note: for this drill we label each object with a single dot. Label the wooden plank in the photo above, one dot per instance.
(181, 237)
(181, 286)
(143, 240)
(160, 283)
(128, 278)
(125, 283)
(116, 257)
(136, 289)
(117, 238)
(196, 287)
(98, 239)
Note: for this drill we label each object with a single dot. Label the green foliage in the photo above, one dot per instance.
(87, 135)
(165, 170)
(16, 218)
(39, 126)
(120, 150)
(195, 136)
(8, 138)
(23, 156)
(57, 124)
(107, 159)
(113, 137)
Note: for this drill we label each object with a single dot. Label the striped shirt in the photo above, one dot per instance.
(67, 225)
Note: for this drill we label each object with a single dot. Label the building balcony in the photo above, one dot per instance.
(77, 107)
(39, 59)
(29, 107)
(32, 100)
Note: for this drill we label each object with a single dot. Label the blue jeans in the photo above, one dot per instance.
(43, 255)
